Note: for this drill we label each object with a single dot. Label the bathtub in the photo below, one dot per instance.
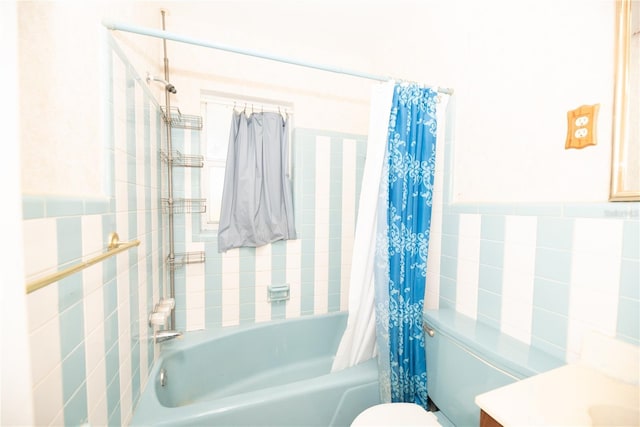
(275, 373)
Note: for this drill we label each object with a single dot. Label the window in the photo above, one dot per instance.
(217, 111)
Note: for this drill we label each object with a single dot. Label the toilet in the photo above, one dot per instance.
(465, 358)
(396, 414)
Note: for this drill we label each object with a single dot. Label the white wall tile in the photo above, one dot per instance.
(45, 349)
(95, 355)
(348, 186)
(98, 414)
(320, 297)
(467, 288)
(92, 280)
(122, 228)
(590, 310)
(348, 205)
(518, 277)
(597, 252)
(92, 238)
(322, 192)
(293, 277)
(124, 328)
(96, 393)
(516, 319)
(262, 281)
(41, 246)
(468, 265)
(195, 307)
(47, 398)
(140, 206)
(230, 288)
(195, 302)
(595, 279)
(143, 326)
(195, 270)
(231, 261)
(93, 304)
(521, 229)
(126, 409)
(123, 285)
(42, 306)
(469, 226)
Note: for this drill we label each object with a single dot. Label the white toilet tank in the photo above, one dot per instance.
(466, 357)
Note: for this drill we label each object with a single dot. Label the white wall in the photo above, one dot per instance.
(61, 50)
(526, 63)
(16, 399)
(516, 67)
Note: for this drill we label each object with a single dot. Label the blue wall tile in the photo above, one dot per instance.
(63, 206)
(629, 320)
(630, 279)
(553, 265)
(550, 327)
(33, 207)
(69, 232)
(551, 296)
(489, 307)
(73, 377)
(76, 409)
(71, 329)
(630, 240)
(492, 227)
(492, 253)
(449, 245)
(555, 233)
(490, 279)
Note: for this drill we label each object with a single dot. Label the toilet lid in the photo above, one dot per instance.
(395, 414)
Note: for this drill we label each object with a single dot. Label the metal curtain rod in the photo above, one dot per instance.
(189, 40)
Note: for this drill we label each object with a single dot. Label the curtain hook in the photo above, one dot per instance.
(245, 108)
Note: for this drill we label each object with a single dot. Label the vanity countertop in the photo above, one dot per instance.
(572, 395)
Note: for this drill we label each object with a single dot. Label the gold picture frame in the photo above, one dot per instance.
(625, 160)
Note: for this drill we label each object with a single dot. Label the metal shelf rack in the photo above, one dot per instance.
(182, 121)
(185, 205)
(182, 259)
(184, 160)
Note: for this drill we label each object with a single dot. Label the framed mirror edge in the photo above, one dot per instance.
(618, 192)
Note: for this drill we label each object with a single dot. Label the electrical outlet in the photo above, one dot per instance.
(581, 126)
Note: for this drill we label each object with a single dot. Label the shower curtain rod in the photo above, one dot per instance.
(117, 26)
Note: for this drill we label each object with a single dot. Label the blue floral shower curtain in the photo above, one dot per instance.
(404, 219)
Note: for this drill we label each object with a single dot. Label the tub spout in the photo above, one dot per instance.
(166, 335)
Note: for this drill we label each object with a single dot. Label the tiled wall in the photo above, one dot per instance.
(89, 335)
(543, 273)
(90, 343)
(231, 288)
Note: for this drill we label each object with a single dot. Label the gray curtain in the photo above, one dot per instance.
(257, 206)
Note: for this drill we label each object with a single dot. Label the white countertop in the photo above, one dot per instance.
(575, 394)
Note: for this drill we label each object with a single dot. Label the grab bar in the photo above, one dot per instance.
(115, 247)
